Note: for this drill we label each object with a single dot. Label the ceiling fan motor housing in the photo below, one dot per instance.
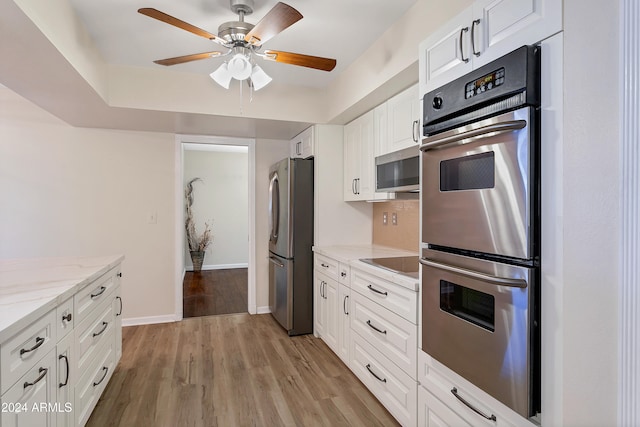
(234, 31)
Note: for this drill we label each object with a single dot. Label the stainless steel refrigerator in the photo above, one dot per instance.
(290, 242)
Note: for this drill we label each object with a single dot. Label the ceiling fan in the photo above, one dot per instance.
(242, 40)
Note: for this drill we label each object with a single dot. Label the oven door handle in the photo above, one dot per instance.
(489, 130)
(501, 281)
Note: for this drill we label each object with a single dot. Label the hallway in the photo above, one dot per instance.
(212, 292)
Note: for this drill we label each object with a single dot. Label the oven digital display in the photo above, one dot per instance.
(484, 83)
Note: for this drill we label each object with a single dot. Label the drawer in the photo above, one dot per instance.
(93, 294)
(91, 333)
(395, 298)
(64, 318)
(92, 381)
(433, 413)
(392, 335)
(21, 352)
(327, 266)
(22, 402)
(396, 390)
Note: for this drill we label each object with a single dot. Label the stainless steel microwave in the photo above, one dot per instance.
(398, 171)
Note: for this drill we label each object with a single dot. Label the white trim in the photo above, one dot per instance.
(262, 310)
(223, 266)
(179, 243)
(629, 297)
(150, 320)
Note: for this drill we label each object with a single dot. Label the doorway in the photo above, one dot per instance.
(222, 195)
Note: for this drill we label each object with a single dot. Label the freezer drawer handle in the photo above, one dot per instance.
(500, 281)
(376, 329)
(489, 130)
(371, 288)
(276, 262)
(454, 391)
(368, 366)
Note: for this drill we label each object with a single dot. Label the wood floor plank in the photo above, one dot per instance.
(232, 370)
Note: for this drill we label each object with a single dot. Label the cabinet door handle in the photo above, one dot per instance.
(473, 38)
(382, 380)
(100, 292)
(39, 342)
(344, 305)
(454, 391)
(121, 306)
(462, 31)
(105, 370)
(104, 328)
(66, 361)
(353, 186)
(43, 373)
(357, 185)
(371, 288)
(343, 273)
(376, 329)
(119, 274)
(415, 131)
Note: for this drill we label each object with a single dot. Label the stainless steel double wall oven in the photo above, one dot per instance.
(481, 228)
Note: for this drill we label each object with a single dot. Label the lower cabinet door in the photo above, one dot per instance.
(396, 390)
(32, 400)
(433, 413)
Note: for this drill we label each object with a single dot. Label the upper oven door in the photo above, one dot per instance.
(478, 186)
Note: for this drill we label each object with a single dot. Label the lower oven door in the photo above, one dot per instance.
(479, 187)
(477, 319)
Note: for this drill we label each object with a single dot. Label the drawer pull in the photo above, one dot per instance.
(454, 391)
(376, 329)
(324, 265)
(120, 312)
(371, 288)
(104, 328)
(43, 373)
(39, 342)
(104, 375)
(382, 380)
(100, 292)
(343, 273)
(66, 317)
(66, 361)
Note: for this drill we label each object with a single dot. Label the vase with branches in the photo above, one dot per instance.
(198, 243)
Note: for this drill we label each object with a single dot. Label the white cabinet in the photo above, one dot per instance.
(302, 146)
(484, 31)
(403, 121)
(360, 139)
(433, 413)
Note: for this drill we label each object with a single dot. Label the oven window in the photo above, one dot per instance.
(468, 304)
(468, 173)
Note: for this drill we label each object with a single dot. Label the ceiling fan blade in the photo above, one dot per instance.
(161, 16)
(187, 58)
(317, 62)
(280, 17)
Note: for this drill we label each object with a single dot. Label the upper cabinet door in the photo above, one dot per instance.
(302, 145)
(502, 26)
(445, 54)
(403, 115)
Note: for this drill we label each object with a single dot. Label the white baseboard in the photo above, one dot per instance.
(263, 310)
(135, 321)
(221, 266)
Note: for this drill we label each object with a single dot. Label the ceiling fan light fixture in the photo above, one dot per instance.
(239, 66)
(222, 76)
(259, 78)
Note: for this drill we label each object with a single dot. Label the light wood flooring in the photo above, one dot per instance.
(212, 292)
(232, 370)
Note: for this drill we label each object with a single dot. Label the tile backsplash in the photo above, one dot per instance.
(404, 234)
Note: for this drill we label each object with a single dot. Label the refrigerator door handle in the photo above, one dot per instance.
(274, 207)
(276, 262)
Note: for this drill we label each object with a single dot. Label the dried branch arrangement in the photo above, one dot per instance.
(196, 243)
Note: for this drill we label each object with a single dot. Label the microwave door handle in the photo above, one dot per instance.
(490, 130)
(501, 281)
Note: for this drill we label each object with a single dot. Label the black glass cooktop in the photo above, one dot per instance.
(407, 265)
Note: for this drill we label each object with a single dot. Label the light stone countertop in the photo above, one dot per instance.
(351, 255)
(29, 288)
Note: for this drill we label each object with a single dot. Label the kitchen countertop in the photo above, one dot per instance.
(29, 288)
(351, 255)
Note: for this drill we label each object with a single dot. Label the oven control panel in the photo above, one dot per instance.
(484, 83)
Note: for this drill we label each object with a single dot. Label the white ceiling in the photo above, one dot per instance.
(340, 29)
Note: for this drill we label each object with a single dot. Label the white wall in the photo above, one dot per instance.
(591, 201)
(75, 191)
(221, 200)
